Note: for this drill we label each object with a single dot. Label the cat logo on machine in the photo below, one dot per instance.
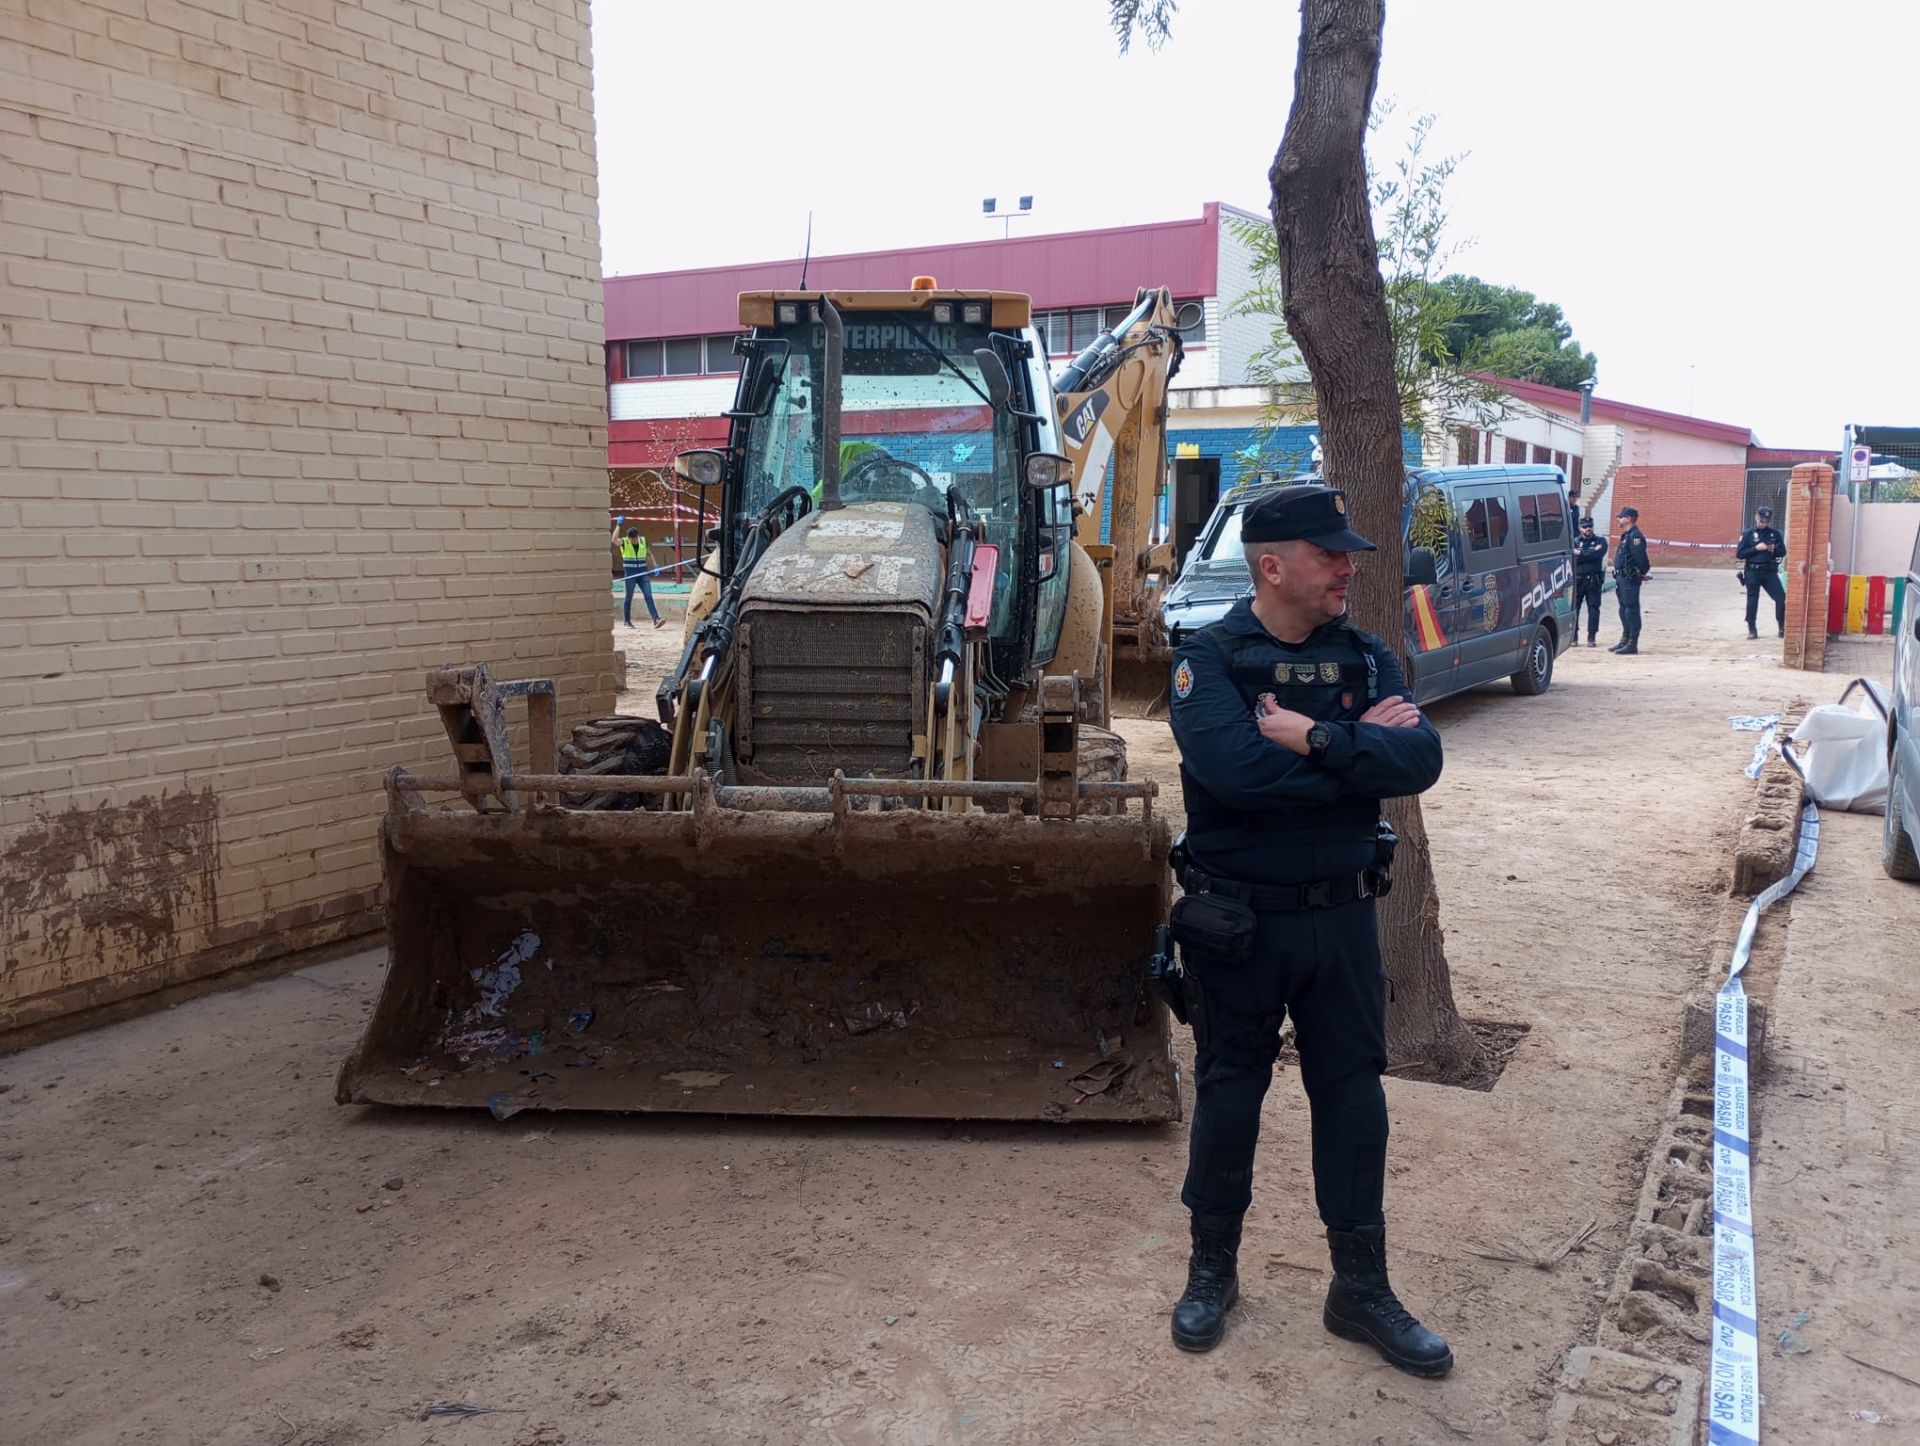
(1079, 426)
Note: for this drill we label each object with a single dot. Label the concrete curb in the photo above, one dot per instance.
(1642, 1382)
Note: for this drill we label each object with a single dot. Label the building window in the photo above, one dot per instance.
(643, 358)
(1543, 455)
(1466, 444)
(1560, 460)
(1574, 479)
(1195, 335)
(1086, 326)
(1516, 451)
(681, 356)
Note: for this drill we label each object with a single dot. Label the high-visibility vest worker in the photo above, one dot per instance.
(634, 550)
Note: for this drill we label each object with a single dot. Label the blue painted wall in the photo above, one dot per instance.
(1241, 453)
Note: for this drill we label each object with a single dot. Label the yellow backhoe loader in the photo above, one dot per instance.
(879, 856)
(1112, 404)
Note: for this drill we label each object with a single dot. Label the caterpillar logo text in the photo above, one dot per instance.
(1080, 425)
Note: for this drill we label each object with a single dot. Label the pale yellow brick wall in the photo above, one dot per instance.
(300, 393)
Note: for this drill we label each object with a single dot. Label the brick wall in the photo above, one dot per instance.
(1698, 504)
(301, 391)
(1805, 570)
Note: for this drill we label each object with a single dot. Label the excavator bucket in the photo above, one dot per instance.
(770, 951)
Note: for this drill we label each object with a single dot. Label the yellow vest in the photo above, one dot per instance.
(634, 550)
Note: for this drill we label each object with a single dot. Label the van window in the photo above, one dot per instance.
(1226, 542)
(1487, 524)
(1542, 518)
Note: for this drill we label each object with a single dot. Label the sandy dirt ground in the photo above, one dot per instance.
(1837, 1159)
(197, 1245)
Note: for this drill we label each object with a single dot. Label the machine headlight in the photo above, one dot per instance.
(1048, 469)
(703, 467)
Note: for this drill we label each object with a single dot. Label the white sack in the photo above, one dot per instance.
(1843, 752)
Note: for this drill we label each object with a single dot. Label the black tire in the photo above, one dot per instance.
(1897, 855)
(1536, 674)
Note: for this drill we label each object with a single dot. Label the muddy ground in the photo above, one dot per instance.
(198, 1245)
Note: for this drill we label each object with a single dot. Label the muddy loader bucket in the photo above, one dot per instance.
(741, 956)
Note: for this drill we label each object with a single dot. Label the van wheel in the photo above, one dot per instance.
(1534, 677)
(1896, 847)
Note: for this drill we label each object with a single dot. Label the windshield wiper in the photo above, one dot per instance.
(945, 360)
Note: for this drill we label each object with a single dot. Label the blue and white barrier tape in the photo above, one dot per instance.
(1733, 1374)
(1764, 726)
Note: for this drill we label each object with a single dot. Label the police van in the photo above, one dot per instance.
(1490, 574)
(1900, 843)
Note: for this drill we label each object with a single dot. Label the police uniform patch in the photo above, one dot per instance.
(1183, 679)
(1340, 504)
(1329, 672)
(1303, 672)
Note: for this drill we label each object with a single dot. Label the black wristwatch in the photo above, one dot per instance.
(1319, 740)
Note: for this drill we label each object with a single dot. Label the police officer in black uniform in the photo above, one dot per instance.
(1292, 726)
(1589, 577)
(1630, 568)
(1761, 548)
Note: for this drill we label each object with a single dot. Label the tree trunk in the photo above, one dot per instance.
(1335, 308)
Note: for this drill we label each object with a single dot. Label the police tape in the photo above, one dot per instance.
(1733, 1372)
(1766, 725)
(1700, 546)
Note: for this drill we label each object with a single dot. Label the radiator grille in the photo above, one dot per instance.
(830, 690)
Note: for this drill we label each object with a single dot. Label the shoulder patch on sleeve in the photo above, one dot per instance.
(1183, 679)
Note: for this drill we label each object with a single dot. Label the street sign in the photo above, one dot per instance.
(1859, 459)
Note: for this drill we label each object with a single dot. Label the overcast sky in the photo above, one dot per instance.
(1724, 197)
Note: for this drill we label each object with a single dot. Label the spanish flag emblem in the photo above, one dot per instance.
(1426, 622)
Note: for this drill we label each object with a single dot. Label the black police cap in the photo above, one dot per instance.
(1587, 521)
(1765, 514)
(1306, 512)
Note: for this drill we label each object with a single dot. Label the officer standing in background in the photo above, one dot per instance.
(1761, 548)
(1629, 570)
(1589, 577)
(1292, 727)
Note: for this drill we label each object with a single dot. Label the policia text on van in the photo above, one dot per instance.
(1499, 604)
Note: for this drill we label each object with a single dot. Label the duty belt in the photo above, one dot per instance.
(1320, 894)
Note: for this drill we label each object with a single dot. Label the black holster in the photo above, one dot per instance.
(1380, 873)
(1176, 987)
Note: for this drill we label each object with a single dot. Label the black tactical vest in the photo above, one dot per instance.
(1332, 677)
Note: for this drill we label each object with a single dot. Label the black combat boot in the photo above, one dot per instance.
(1621, 646)
(1752, 631)
(1213, 1285)
(1361, 1306)
(1629, 647)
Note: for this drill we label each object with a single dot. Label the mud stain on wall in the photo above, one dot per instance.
(91, 893)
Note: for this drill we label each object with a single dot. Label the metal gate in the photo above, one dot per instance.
(1766, 487)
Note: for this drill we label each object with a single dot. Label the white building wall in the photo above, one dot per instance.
(673, 397)
(1234, 338)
